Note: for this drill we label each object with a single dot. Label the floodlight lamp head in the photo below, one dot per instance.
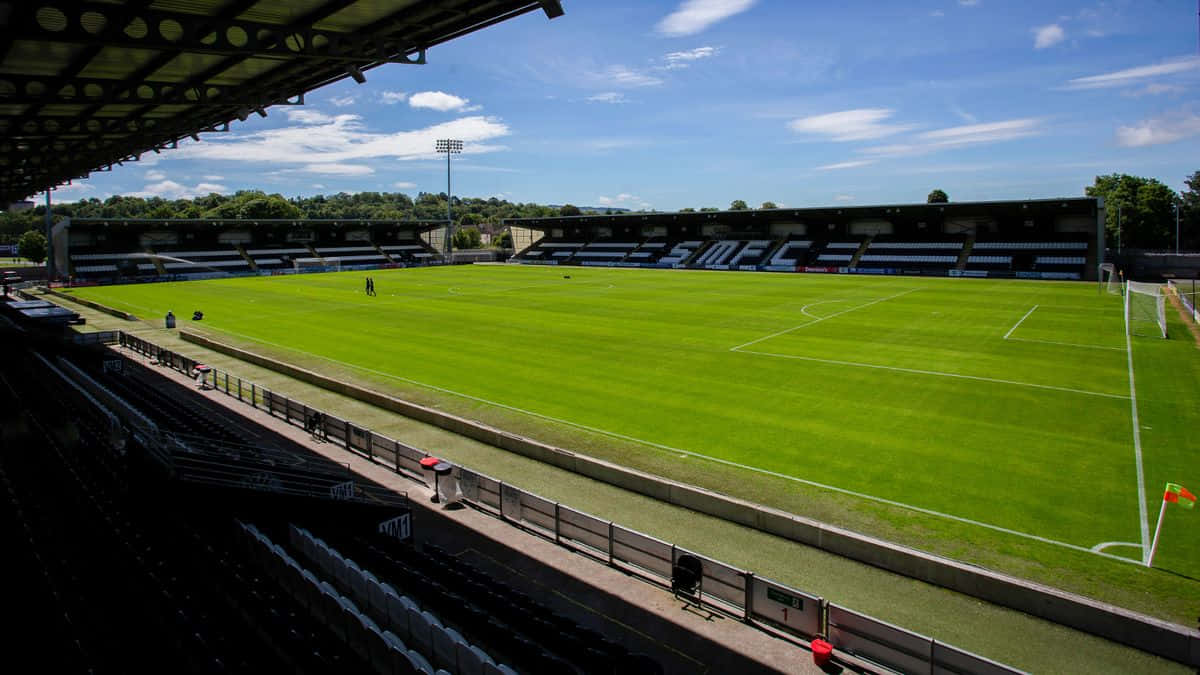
(448, 145)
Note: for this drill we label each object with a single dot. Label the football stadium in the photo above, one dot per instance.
(936, 437)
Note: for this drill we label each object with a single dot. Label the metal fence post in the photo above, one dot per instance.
(610, 543)
(396, 454)
(239, 388)
(748, 603)
(556, 521)
(346, 433)
(253, 396)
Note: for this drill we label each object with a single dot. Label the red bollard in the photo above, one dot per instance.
(822, 652)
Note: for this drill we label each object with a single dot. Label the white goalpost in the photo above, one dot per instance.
(315, 264)
(1110, 278)
(1145, 309)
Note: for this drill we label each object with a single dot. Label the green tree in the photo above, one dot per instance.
(1144, 208)
(569, 210)
(503, 240)
(687, 209)
(768, 205)
(938, 196)
(1189, 213)
(32, 246)
(467, 237)
(738, 205)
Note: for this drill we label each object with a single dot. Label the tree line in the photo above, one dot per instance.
(1143, 209)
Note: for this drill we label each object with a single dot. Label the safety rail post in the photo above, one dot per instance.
(239, 388)
(610, 543)
(556, 526)
(396, 454)
(253, 396)
(748, 603)
(346, 434)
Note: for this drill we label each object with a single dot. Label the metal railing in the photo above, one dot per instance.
(730, 589)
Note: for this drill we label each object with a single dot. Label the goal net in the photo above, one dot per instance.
(317, 264)
(1188, 291)
(1109, 276)
(1145, 309)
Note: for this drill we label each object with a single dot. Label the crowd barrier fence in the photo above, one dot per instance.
(754, 599)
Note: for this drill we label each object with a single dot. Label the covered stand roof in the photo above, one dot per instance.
(85, 85)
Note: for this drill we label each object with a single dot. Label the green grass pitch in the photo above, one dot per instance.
(957, 415)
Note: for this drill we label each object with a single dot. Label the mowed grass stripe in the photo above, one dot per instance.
(645, 355)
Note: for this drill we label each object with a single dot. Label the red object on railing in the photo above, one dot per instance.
(822, 651)
(429, 462)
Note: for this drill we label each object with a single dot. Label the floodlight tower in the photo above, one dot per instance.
(450, 147)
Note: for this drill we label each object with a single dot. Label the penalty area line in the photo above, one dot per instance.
(809, 323)
(702, 456)
(1010, 330)
(935, 373)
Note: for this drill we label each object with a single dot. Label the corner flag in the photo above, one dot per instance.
(1177, 494)
(1173, 494)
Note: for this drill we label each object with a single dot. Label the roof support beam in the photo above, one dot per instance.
(117, 26)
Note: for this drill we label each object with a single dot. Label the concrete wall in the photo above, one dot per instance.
(1173, 641)
(94, 305)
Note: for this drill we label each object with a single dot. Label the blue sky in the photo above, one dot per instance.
(667, 104)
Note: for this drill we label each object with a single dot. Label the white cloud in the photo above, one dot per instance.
(308, 116)
(622, 76)
(982, 133)
(155, 175)
(392, 97)
(846, 165)
(849, 125)
(439, 100)
(333, 169)
(966, 116)
(950, 137)
(608, 97)
(212, 178)
(936, 12)
(1154, 89)
(404, 185)
(623, 198)
(1048, 36)
(1166, 129)
(677, 60)
(169, 189)
(844, 198)
(1129, 76)
(343, 101)
(342, 140)
(318, 186)
(968, 3)
(693, 16)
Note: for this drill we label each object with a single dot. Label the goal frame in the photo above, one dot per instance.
(1139, 297)
(322, 264)
(1111, 279)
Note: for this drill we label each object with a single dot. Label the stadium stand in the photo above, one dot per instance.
(791, 252)
(1030, 256)
(941, 255)
(839, 253)
(681, 251)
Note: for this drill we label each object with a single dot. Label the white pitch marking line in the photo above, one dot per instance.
(1010, 330)
(1064, 344)
(1143, 517)
(1109, 544)
(937, 373)
(844, 311)
(689, 453)
(804, 309)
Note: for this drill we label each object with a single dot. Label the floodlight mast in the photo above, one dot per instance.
(449, 146)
